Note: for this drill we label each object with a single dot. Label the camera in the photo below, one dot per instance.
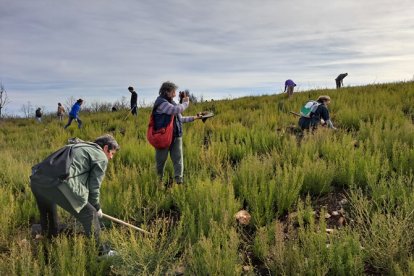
(183, 94)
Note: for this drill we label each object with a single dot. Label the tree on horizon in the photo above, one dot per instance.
(4, 99)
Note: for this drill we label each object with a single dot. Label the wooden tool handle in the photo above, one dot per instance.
(294, 113)
(125, 223)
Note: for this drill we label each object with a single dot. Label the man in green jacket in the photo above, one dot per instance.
(79, 193)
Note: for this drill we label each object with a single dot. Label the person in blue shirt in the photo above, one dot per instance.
(289, 85)
(74, 114)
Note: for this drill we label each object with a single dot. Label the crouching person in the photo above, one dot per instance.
(313, 112)
(71, 178)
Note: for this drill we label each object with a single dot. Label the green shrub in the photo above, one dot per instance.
(318, 176)
(385, 229)
(247, 156)
(202, 202)
(141, 254)
(309, 250)
(216, 254)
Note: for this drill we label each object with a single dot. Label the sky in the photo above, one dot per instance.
(53, 50)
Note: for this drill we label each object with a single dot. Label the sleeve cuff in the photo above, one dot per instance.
(97, 206)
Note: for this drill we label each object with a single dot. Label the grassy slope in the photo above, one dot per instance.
(244, 157)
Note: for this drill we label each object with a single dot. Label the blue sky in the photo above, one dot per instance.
(52, 50)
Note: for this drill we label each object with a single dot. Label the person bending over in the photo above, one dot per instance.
(340, 80)
(289, 86)
(320, 112)
(79, 193)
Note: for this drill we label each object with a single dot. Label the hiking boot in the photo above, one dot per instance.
(112, 253)
(179, 180)
(105, 250)
(109, 255)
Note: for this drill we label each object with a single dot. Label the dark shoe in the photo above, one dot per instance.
(105, 250)
(109, 253)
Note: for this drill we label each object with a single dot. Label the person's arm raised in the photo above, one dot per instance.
(170, 109)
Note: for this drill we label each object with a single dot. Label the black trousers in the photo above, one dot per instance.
(308, 123)
(338, 84)
(134, 110)
(47, 200)
(71, 118)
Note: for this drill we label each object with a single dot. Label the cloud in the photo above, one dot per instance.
(96, 49)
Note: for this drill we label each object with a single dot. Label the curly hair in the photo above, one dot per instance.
(167, 87)
(107, 140)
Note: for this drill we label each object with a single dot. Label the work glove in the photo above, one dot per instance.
(99, 213)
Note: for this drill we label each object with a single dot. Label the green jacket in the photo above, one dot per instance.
(86, 174)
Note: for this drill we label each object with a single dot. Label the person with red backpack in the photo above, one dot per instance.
(166, 120)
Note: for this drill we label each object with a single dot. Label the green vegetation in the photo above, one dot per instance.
(245, 157)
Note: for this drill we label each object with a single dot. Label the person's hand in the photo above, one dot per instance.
(99, 213)
(198, 116)
(186, 99)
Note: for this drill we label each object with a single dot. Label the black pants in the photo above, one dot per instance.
(338, 84)
(47, 200)
(134, 110)
(71, 118)
(308, 123)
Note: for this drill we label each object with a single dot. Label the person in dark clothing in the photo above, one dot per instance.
(39, 115)
(340, 80)
(321, 112)
(164, 108)
(134, 100)
(74, 114)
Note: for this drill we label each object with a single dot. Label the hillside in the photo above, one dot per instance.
(357, 182)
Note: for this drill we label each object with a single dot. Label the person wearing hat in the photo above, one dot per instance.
(320, 113)
(134, 101)
(289, 86)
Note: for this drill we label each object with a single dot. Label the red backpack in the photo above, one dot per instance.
(161, 138)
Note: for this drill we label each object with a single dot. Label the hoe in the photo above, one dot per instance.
(126, 224)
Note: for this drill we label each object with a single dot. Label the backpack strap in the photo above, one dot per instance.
(85, 144)
(156, 105)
